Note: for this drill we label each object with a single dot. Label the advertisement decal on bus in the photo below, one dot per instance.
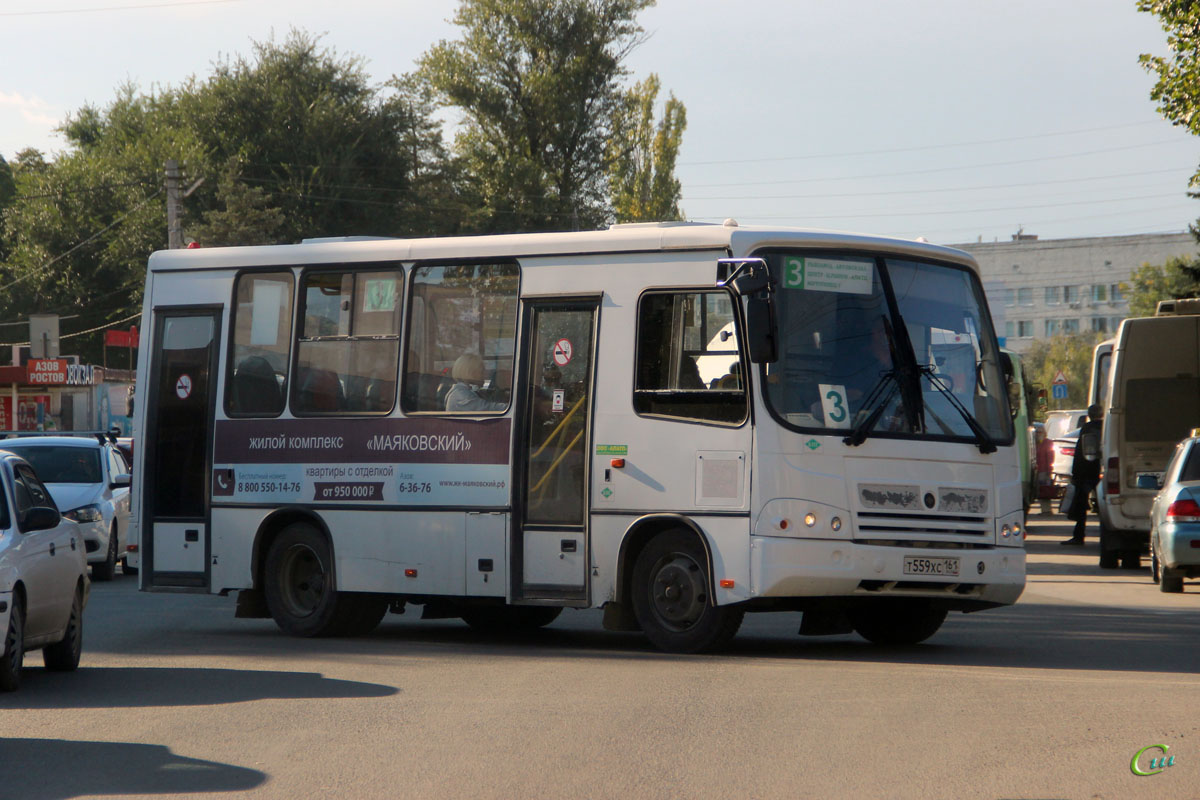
(387, 461)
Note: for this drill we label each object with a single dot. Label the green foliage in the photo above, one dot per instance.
(538, 84)
(1179, 277)
(1072, 353)
(1177, 88)
(642, 156)
(295, 142)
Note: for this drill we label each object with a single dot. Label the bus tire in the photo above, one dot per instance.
(498, 619)
(299, 583)
(672, 597)
(900, 620)
(367, 612)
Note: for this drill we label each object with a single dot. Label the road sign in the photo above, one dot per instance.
(1059, 379)
(1059, 391)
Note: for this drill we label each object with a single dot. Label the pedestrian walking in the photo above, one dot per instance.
(1085, 472)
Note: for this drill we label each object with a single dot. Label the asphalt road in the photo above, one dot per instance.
(1050, 698)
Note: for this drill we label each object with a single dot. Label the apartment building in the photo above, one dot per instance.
(1037, 288)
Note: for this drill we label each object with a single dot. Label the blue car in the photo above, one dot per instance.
(1175, 517)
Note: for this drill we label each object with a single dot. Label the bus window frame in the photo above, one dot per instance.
(743, 357)
(429, 312)
(877, 256)
(300, 308)
(225, 402)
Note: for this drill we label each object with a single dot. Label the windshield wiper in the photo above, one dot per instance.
(874, 404)
(982, 439)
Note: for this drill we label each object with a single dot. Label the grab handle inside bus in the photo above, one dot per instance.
(749, 278)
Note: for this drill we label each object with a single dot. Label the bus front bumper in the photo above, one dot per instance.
(783, 567)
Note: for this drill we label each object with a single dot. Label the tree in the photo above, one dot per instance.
(1179, 277)
(538, 84)
(642, 156)
(1178, 75)
(1071, 353)
(294, 143)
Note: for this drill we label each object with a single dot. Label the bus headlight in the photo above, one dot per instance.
(801, 519)
(1010, 530)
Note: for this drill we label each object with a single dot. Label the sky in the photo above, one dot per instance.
(949, 120)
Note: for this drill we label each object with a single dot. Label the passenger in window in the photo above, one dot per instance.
(689, 374)
(468, 378)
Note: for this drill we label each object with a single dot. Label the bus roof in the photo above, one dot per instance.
(638, 237)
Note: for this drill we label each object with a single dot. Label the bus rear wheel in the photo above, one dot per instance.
(672, 597)
(897, 621)
(300, 590)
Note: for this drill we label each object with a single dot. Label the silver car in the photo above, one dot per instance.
(43, 575)
(1175, 517)
(89, 481)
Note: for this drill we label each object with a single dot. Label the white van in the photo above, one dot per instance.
(1153, 402)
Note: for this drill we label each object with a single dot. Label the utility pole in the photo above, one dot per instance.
(174, 207)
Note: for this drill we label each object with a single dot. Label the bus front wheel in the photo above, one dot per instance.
(300, 590)
(672, 597)
(898, 621)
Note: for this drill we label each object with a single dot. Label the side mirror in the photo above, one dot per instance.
(749, 278)
(124, 479)
(39, 518)
(760, 330)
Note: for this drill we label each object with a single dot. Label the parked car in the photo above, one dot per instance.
(43, 575)
(90, 480)
(1064, 439)
(1175, 517)
(1059, 423)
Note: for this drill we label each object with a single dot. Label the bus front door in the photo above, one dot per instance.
(178, 448)
(550, 547)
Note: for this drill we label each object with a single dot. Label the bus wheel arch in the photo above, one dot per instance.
(667, 580)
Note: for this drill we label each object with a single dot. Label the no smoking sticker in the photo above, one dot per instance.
(183, 387)
(562, 352)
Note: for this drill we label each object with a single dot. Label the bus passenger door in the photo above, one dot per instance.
(178, 447)
(550, 552)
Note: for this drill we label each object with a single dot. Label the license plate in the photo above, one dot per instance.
(923, 565)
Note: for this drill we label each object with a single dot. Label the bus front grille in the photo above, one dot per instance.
(873, 522)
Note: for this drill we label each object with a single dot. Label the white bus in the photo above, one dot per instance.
(677, 423)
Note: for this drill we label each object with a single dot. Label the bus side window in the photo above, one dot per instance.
(463, 314)
(262, 324)
(689, 362)
(349, 347)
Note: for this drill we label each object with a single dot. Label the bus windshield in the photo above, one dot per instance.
(926, 365)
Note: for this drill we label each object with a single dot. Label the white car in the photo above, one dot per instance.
(43, 575)
(89, 481)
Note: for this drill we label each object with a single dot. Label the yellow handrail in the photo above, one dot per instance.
(562, 422)
(554, 464)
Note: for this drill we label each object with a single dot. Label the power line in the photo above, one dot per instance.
(31, 273)
(112, 8)
(103, 188)
(1140, 174)
(989, 164)
(918, 147)
(105, 326)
